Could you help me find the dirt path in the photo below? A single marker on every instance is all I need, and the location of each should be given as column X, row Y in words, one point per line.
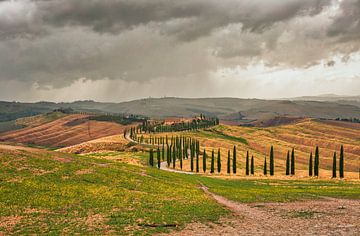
column 321, row 217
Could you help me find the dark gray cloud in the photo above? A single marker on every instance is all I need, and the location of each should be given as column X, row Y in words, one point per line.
column 52, row 43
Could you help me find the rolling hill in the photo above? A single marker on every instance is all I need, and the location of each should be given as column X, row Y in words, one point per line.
column 63, row 131
column 224, row 108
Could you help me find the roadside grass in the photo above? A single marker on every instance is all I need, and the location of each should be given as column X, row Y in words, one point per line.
column 281, row 190
column 48, row 192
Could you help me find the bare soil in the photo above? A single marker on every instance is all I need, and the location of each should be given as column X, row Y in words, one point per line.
column 321, row 217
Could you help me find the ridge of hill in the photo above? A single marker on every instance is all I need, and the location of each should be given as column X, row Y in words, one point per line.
column 224, row 108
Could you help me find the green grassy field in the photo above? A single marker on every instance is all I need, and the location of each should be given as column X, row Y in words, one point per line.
column 46, row 192
column 57, row 193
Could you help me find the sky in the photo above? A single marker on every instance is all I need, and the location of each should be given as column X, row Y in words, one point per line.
column 119, row 50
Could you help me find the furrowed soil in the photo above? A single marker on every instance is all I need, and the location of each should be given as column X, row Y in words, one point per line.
column 64, row 131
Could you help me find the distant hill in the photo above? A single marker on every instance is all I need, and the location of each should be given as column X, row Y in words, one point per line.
column 224, row 108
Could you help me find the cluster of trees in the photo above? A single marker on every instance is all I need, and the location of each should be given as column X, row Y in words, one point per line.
column 176, row 149
column 180, row 148
column 120, row 119
column 200, row 122
column 354, row 120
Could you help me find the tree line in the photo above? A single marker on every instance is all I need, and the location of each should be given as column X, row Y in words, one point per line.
column 149, row 126
column 181, row 148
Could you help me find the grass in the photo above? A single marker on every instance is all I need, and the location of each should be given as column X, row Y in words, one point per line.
column 281, row 190
column 46, row 192
column 214, row 133
column 55, row 193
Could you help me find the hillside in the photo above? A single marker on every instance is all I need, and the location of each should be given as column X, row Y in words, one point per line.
column 303, row 135
column 224, row 108
column 61, row 131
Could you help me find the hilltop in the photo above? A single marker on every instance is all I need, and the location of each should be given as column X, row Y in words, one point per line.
column 225, row 108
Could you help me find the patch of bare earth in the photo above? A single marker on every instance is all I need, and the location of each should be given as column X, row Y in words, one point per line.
column 320, row 217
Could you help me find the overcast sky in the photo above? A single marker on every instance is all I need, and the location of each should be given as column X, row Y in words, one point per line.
column 117, row 50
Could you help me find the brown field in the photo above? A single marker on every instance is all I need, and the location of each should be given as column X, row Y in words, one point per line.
column 303, row 136
column 65, row 131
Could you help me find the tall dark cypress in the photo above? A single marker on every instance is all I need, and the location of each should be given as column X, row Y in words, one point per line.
column 219, row 161
column 228, row 162
column 293, row 162
column 168, row 155
column 316, row 162
column 197, row 162
column 334, row 166
column 163, row 152
column 252, row 165
column 204, row 161
column 181, row 162
column 247, row 163
column 265, row 167
column 288, row 163
column 212, row 167
column 158, row 158
column 272, row 167
column 174, row 156
column 341, row 162
column 151, row 158
column 192, row 162
column 311, row 165
column 234, row 160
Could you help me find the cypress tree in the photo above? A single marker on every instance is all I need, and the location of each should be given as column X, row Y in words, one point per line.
column 181, row 163
column 288, row 163
column 316, row 162
column 252, row 165
column 334, row 166
column 174, row 156
column 151, row 158
column 158, row 158
column 204, row 161
column 247, row 163
column 163, row 152
column 197, row 162
column 271, row 161
column 293, row 162
column 310, row 165
column 228, row 162
column 341, row 162
column 219, row 161
column 234, row 160
column 168, row 154
column 212, row 168
column 265, row 167
column 192, row 163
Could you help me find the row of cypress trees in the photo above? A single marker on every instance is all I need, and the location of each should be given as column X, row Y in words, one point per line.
column 183, row 148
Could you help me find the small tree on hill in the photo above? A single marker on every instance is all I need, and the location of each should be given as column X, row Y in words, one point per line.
column 252, row 165
column 316, row 162
column 219, row 161
column 288, row 163
column 212, row 167
column 234, row 160
column 163, row 152
column 191, row 162
column 265, row 167
column 151, row 158
column 158, row 158
column 228, row 162
column 272, row 167
column 310, row 165
column 341, row 162
column 204, row 161
column 334, row 166
column 293, row 162
column 197, row 162
column 247, row 163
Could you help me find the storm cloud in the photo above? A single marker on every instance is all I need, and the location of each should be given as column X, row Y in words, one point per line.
column 52, row 45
